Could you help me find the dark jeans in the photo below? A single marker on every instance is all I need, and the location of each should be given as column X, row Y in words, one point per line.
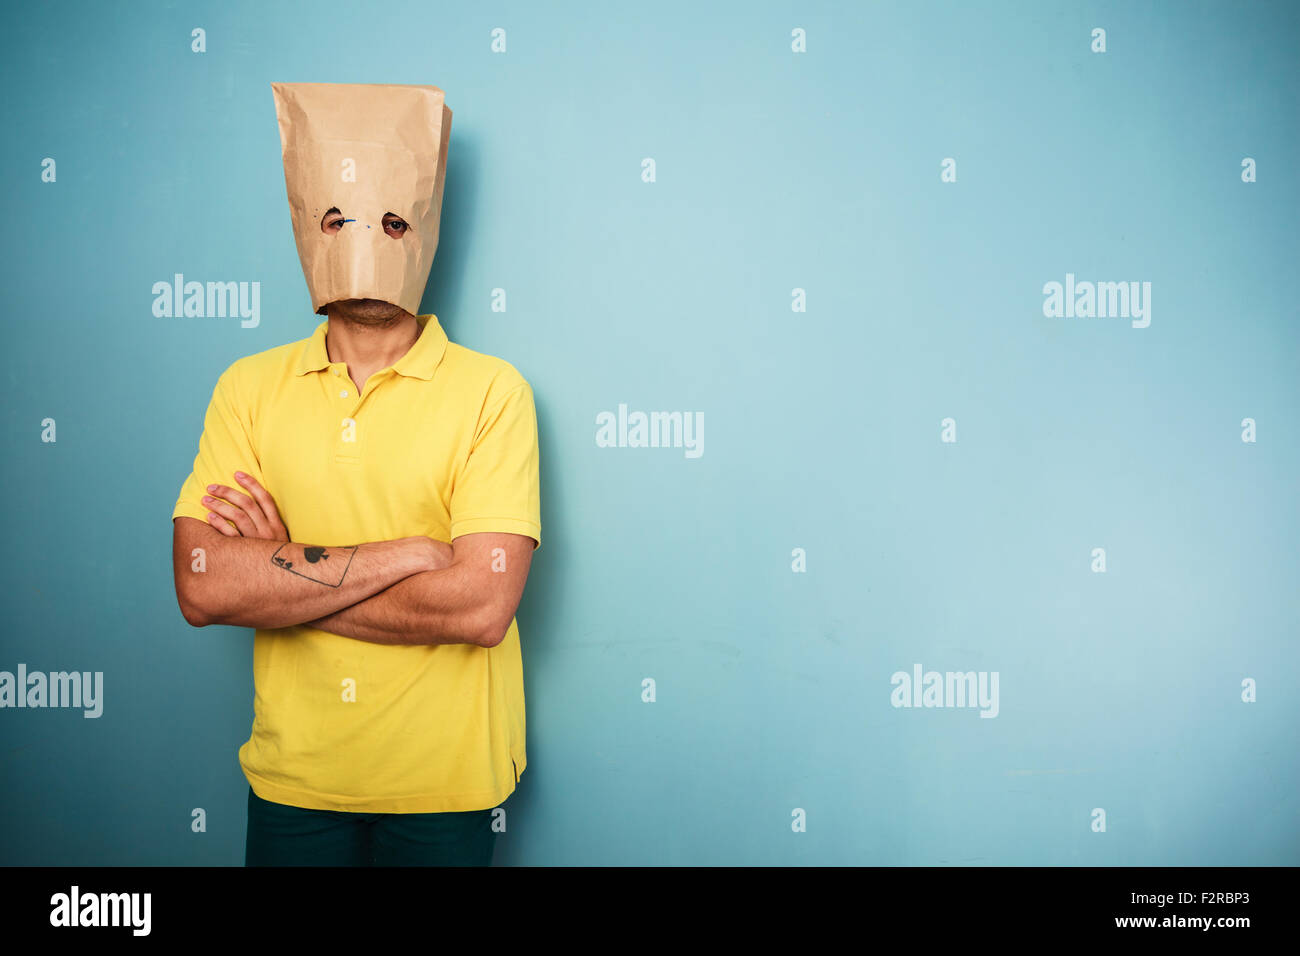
column 280, row 835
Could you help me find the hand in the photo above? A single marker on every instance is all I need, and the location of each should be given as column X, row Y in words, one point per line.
column 434, row 554
column 255, row 517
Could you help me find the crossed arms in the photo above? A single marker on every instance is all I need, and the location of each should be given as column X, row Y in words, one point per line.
column 414, row 590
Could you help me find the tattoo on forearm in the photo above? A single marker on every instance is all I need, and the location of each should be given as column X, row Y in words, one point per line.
column 328, row 566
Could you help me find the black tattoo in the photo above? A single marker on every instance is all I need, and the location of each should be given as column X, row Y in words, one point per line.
column 314, row 566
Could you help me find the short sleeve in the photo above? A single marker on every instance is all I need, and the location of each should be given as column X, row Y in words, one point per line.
column 224, row 448
column 497, row 487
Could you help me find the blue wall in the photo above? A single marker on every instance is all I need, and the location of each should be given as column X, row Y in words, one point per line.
column 1118, row 690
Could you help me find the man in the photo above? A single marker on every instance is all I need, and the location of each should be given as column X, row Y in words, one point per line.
column 367, row 499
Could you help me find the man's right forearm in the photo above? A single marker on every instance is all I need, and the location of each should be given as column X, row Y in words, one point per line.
column 259, row 583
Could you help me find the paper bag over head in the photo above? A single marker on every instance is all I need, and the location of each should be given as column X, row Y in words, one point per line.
column 376, row 153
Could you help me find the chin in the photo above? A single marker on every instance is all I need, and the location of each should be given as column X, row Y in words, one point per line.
column 376, row 309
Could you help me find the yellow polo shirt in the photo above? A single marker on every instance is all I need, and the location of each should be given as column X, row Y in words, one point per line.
column 442, row 443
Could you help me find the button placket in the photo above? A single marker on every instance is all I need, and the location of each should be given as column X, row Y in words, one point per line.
column 346, row 452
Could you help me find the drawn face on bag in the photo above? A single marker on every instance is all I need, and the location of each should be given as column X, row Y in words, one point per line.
column 363, row 169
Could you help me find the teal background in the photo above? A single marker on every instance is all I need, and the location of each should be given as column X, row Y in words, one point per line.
column 775, row 170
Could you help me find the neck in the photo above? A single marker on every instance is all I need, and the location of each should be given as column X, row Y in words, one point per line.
column 370, row 345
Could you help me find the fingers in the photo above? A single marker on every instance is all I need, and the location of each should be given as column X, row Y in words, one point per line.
column 221, row 524
column 255, row 517
column 236, row 498
column 265, row 502
column 242, row 519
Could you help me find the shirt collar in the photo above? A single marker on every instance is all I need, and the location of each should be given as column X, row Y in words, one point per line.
column 418, row 362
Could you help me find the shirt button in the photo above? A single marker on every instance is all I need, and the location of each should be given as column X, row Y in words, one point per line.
column 343, row 394
column 336, row 371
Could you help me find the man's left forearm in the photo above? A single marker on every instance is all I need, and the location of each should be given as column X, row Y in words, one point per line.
column 398, row 615
column 431, row 607
column 470, row 598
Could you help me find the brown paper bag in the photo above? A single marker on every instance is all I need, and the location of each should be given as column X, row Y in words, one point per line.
column 377, row 153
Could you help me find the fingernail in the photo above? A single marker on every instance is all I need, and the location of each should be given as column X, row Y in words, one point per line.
column 212, row 487
column 240, row 474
